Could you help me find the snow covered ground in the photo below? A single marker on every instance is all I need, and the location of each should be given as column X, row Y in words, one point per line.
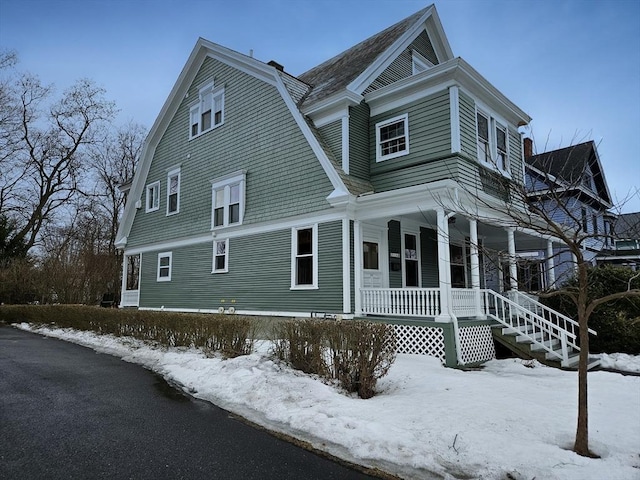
column 508, row 420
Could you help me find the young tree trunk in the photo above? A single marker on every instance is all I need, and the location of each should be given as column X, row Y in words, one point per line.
column 581, row 446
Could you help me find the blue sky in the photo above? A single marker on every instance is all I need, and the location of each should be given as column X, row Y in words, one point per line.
column 574, row 66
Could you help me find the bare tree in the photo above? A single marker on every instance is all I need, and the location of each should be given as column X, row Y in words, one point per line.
column 545, row 204
column 43, row 148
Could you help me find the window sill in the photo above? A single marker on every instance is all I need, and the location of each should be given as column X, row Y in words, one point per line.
column 392, row 155
column 163, row 279
column 214, row 272
column 152, row 210
column 191, row 137
column 169, row 214
column 304, row 287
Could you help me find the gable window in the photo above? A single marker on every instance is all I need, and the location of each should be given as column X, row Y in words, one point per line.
column 418, row 63
column 392, row 138
column 304, row 257
column 164, row 267
column 220, row 256
column 208, row 113
column 492, row 142
column 153, row 197
column 228, row 194
column 173, row 191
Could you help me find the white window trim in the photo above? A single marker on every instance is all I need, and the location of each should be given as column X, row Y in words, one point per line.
column 404, row 258
column 196, row 107
column 172, row 173
column 419, row 63
column 151, row 186
column 170, row 266
column 380, row 125
column 236, row 178
column 226, row 256
column 314, row 255
column 493, row 123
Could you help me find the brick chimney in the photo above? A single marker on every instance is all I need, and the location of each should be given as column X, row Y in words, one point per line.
column 528, row 147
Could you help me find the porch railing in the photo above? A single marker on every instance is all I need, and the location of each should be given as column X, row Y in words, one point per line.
column 463, row 302
column 130, row 298
column 403, row 302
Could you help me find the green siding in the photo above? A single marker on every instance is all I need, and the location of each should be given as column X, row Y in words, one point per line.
column 284, row 177
column 402, row 65
column 429, row 138
column 359, row 141
column 395, row 246
column 332, row 135
column 259, row 276
column 468, row 137
column 429, row 258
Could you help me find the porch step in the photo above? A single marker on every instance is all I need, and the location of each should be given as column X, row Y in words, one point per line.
column 523, row 347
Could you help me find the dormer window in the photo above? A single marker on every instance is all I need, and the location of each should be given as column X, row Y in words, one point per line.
column 208, row 113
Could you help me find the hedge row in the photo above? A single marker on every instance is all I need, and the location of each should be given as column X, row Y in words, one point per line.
column 231, row 336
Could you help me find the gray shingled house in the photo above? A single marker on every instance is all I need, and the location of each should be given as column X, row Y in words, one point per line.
column 338, row 193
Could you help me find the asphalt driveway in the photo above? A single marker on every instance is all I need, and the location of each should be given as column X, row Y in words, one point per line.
column 69, row 412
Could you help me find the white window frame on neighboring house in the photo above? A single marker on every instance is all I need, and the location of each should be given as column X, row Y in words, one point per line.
column 208, row 112
column 220, row 251
column 419, row 63
column 489, row 152
column 298, row 256
column 152, row 202
column 228, row 200
column 394, row 141
column 168, row 267
column 175, row 173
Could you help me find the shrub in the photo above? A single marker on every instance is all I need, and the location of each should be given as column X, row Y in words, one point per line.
column 229, row 335
column 617, row 322
column 355, row 353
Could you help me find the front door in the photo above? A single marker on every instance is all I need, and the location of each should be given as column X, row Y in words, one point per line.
column 373, row 257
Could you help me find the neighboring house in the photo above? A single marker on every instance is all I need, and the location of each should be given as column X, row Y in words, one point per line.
column 623, row 246
column 344, row 191
column 569, row 185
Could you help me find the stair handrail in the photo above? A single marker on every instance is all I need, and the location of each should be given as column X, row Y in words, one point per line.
column 544, row 325
column 538, row 304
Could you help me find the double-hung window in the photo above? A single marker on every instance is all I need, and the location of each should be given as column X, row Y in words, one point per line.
column 173, row 191
column 220, row 256
column 392, row 138
column 228, row 195
column 153, row 197
column 304, row 257
column 208, row 113
column 164, row 267
column 493, row 141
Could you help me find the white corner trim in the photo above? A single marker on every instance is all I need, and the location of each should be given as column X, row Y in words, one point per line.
column 346, row 266
column 345, row 144
column 454, row 106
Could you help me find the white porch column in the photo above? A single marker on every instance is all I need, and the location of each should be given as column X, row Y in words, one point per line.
column 444, row 267
column 357, row 266
column 123, row 286
column 513, row 268
column 346, row 266
column 551, row 268
column 475, row 265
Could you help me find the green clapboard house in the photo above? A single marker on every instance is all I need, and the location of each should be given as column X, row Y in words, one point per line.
column 340, row 192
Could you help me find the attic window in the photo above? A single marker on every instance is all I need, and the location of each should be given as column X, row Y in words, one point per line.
column 208, row 113
column 392, row 138
column 418, row 63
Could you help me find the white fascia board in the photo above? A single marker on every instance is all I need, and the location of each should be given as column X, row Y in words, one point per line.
column 337, row 183
column 201, row 50
column 385, row 59
column 608, row 200
column 241, row 231
column 332, row 108
column 442, row 76
column 439, row 39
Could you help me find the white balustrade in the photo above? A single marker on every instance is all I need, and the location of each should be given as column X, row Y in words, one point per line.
column 130, row 298
column 403, row 302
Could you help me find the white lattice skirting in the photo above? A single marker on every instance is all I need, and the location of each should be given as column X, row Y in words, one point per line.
column 476, row 344
column 420, row 340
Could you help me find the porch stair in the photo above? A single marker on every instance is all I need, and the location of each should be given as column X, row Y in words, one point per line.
column 524, row 348
column 532, row 330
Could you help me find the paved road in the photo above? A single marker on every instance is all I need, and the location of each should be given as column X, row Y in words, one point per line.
column 68, row 412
